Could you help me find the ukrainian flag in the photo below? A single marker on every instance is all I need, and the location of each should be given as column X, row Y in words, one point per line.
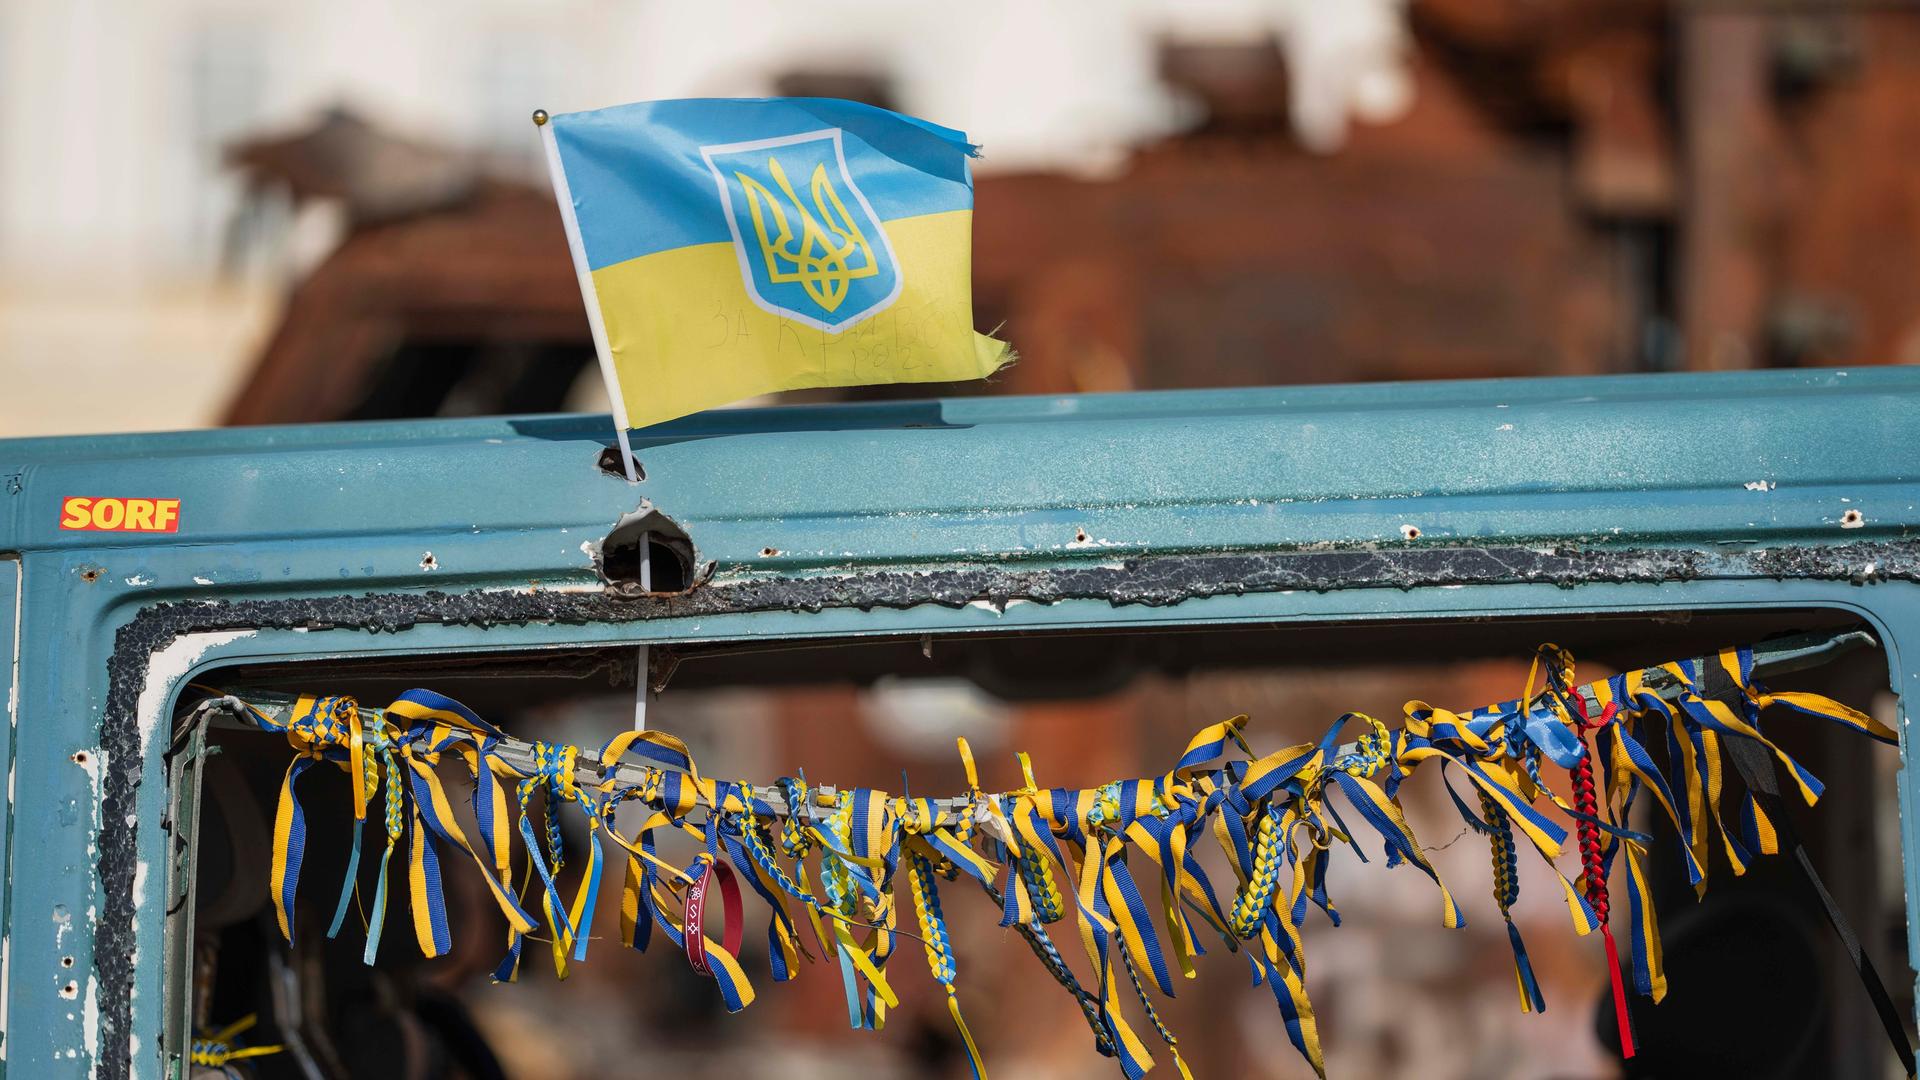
column 730, row 248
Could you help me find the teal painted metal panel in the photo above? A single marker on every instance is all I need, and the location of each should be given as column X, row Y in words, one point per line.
column 9, row 721
column 1763, row 456
column 1433, row 501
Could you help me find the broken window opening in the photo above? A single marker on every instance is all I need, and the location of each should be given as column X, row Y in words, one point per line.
column 1091, row 705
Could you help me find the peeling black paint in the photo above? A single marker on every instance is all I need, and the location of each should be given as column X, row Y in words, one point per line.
column 1153, row 581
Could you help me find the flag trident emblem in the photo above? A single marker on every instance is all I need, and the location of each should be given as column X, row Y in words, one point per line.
column 817, row 253
column 831, row 249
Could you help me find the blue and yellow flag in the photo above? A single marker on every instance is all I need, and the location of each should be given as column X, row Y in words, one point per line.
column 731, row 248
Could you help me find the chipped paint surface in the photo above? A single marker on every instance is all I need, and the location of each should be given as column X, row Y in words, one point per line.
column 13, row 664
column 13, row 724
column 90, row 1022
column 93, row 762
column 169, row 665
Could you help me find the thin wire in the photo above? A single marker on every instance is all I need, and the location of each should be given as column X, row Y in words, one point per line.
column 1464, row 830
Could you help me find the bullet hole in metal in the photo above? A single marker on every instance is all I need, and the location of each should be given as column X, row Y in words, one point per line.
column 609, row 462
column 670, row 555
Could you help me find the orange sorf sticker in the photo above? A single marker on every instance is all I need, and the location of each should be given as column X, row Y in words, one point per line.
column 121, row 515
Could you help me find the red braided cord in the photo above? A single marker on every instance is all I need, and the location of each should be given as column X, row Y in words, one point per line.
column 1587, row 801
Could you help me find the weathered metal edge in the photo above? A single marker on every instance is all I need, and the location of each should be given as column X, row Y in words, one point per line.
column 1153, row 580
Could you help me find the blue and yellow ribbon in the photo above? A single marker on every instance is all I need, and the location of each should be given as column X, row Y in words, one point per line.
column 841, row 858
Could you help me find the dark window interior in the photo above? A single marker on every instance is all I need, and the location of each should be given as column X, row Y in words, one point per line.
column 1754, row 956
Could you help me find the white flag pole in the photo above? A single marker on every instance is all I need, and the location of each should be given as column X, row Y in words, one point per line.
column 627, row 816
column 564, row 196
column 640, row 684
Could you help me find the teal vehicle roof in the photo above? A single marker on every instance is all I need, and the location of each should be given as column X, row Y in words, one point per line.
column 1778, row 493
column 1733, row 458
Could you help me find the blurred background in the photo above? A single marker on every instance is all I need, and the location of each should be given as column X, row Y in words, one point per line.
column 243, row 211
column 246, row 211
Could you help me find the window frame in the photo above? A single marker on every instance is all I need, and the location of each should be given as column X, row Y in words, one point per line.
column 1890, row 609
